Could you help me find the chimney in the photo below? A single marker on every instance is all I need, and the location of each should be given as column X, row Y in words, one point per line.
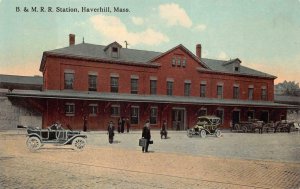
column 71, row 39
column 198, row 50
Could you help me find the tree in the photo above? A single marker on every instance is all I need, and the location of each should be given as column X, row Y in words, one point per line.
column 287, row 88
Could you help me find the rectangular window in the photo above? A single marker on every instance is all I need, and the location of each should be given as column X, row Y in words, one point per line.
column 184, row 62
column 173, row 61
column 114, row 84
column 220, row 114
column 93, row 109
column 153, row 86
column 69, row 80
column 134, row 117
column 178, row 62
column 219, row 91
column 250, row 93
column 202, row 90
column 115, row 110
column 114, row 52
column 134, row 86
column 70, row 109
column 153, row 115
column 236, row 92
column 170, row 88
column 187, row 89
column 92, row 82
column 264, row 94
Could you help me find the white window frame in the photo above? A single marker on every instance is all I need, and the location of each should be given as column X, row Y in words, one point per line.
column 153, row 107
column 137, row 115
column 67, row 110
column 93, row 113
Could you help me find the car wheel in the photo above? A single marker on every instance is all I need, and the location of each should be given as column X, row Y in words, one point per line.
column 244, row 129
column 203, row 133
column 78, row 143
column 33, row 143
column 218, row 133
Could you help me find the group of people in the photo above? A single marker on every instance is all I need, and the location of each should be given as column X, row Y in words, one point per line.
column 146, row 134
column 121, row 124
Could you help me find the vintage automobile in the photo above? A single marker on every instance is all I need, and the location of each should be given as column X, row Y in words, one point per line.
column 248, row 126
column 54, row 134
column 206, row 125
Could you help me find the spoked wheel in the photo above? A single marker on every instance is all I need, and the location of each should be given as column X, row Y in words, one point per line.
column 33, row 143
column 78, row 143
column 203, row 133
column 217, row 132
column 244, row 129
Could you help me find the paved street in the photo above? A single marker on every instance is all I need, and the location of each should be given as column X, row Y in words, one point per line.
column 267, row 146
column 235, row 160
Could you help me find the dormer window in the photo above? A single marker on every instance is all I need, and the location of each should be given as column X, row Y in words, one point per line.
column 115, row 52
column 236, row 68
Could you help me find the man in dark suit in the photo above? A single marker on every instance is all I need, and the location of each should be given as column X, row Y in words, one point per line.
column 146, row 135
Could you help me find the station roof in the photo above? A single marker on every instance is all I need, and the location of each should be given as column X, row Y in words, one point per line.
column 119, row 97
column 143, row 58
column 21, row 82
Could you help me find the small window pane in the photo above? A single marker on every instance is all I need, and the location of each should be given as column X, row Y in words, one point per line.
column 92, row 83
column 153, row 115
column 203, row 90
column 115, row 110
column 187, row 89
column 153, row 87
column 114, row 84
column 134, row 86
column 69, row 80
column 134, row 117
column 219, row 91
column 169, row 88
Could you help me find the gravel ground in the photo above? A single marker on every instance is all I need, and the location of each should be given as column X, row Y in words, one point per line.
column 178, row 162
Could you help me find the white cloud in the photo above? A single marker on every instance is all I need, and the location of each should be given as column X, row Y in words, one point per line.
column 137, row 20
column 200, row 27
column 174, row 15
column 113, row 29
column 223, row 56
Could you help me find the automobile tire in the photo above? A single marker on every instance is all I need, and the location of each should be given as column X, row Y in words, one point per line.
column 218, row 133
column 244, row 129
column 78, row 143
column 203, row 133
column 236, row 126
column 33, row 143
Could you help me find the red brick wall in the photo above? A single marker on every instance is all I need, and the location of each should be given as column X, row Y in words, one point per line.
column 54, row 80
column 55, row 67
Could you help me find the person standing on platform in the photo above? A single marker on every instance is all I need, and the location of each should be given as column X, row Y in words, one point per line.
column 146, row 135
column 119, row 124
column 111, row 132
column 85, row 122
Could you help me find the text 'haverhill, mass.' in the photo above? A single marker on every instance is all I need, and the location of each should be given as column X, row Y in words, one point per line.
column 71, row 9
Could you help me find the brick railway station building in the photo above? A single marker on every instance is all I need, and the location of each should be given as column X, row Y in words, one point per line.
column 105, row 83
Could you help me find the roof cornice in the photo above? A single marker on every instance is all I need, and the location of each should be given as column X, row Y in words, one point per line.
column 51, row 54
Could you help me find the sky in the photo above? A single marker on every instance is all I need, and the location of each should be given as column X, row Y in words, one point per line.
column 264, row 35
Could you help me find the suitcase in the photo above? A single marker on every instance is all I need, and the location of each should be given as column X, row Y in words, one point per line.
column 142, row 142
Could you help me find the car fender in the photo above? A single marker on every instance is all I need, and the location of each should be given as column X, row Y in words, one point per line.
column 72, row 138
column 34, row 134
